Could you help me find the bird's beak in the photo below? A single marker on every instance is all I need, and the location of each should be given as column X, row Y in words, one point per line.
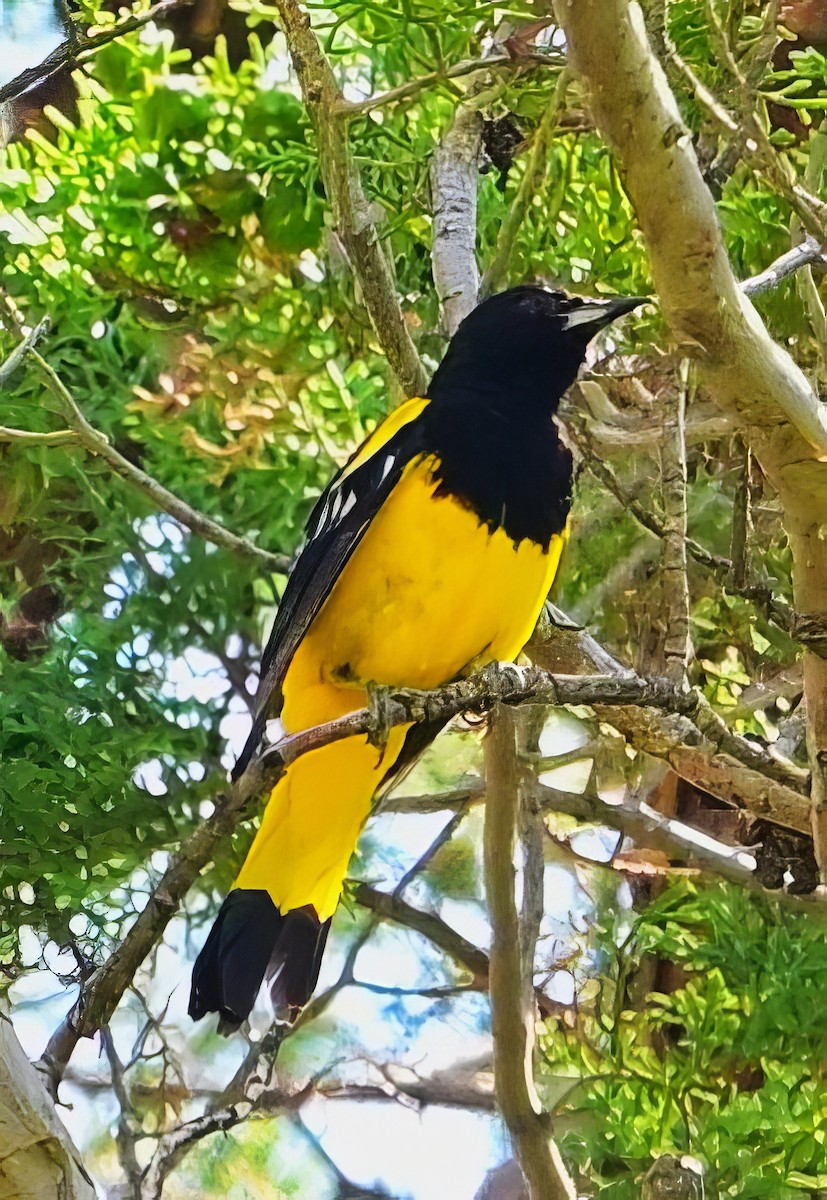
column 618, row 306
column 595, row 314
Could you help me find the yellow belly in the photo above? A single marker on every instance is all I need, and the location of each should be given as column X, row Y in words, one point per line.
column 429, row 594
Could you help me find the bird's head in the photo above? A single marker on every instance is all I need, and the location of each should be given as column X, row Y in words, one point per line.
column 527, row 343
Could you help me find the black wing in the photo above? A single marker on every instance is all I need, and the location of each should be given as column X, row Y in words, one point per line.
column 334, row 530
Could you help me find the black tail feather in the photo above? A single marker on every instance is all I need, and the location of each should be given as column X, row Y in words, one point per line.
column 228, row 972
column 294, row 967
column 250, row 938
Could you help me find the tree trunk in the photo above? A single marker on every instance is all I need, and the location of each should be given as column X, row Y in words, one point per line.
column 37, row 1158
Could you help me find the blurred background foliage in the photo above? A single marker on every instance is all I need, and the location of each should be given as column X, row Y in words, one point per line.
column 170, row 220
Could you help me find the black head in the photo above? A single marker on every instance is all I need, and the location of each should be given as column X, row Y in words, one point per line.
column 526, row 344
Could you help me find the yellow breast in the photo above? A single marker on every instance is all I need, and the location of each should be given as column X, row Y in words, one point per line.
column 428, row 594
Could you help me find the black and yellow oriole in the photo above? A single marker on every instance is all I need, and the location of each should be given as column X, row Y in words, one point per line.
column 430, row 554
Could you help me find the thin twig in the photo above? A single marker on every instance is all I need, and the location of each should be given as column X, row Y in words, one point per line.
column 25, row 437
column 393, row 908
column 126, row 1136
column 677, row 641
column 353, row 1191
column 741, row 519
column 674, row 739
column 442, row 838
column 752, row 137
column 18, row 354
column 96, row 443
column 603, row 471
column 413, row 87
column 809, row 629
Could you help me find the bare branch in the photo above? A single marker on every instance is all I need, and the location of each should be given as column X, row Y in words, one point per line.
column 752, row 141
column 177, row 1143
column 347, row 1187
column 101, row 993
column 264, row 1097
column 448, row 1089
column 742, row 518
column 126, row 1136
column 532, row 907
column 509, row 684
column 456, row 800
column 640, row 821
column 674, row 739
column 808, row 628
column 639, row 117
column 512, row 1010
column 677, row 642
column 807, row 253
column 513, row 685
column 18, row 354
column 25, row 437
column 392, row 908
column 603, row 470
column 442, row 838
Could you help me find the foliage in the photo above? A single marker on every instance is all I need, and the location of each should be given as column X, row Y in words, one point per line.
column 727, row 1067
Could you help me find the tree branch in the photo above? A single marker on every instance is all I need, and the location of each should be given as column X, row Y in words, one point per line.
column 393, row 908
column 807, row 628
column 83, row 47
column 509, row 684
column 126, row 1136
column 352, row 217
column 750, row 376
column 807, row 253
column 603, row 470
column 676, row 647
column 639, row 118
column 639, row 821
column 102, row 992
column 347, row 1187
column 674, row 739
column 18, row 354
column 751, row 137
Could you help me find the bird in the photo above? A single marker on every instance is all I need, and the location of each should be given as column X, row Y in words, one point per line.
column 429, row 555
